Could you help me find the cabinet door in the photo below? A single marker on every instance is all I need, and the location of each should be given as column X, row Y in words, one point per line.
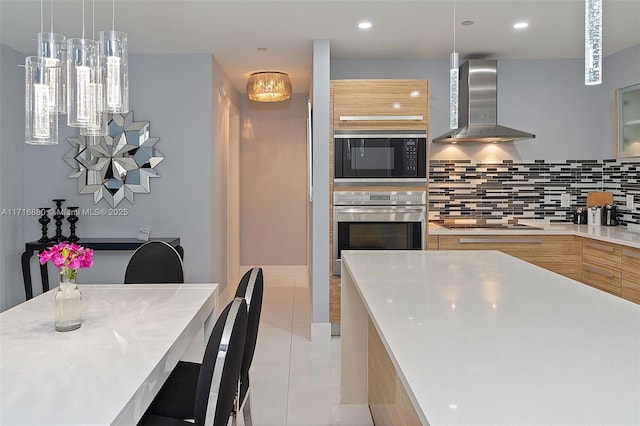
column 631, row 274
column 557, row 253
column 334, row 299
column 380, row 104
column 601, row 265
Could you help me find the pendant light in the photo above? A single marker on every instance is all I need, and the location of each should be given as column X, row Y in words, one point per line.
column 269, row 86
column 41, row 125
column 41, row 79
column 97, row 122
column 115, row 67
column 454, row 64
column 592, row 42
column 82, row 71
column 53, row 47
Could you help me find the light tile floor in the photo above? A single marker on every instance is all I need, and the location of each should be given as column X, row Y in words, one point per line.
column 295, row 381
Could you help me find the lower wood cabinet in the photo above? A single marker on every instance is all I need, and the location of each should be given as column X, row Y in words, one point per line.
column 557, row 253
column 334, row 300
column 388, row 400
column 630, row 260
column 601, row 263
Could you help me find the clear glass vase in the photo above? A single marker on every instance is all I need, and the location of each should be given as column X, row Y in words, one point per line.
column 68, row 302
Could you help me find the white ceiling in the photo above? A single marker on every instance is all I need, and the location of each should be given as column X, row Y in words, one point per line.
column 420, row 29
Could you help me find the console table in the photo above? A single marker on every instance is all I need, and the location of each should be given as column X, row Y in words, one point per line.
column 98, row 244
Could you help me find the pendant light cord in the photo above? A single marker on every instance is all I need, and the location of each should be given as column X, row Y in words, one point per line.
column 51, row 15
column 113, row 15
column 93, row 19
column 41, row 19
column 82, row 18
column 454, row 26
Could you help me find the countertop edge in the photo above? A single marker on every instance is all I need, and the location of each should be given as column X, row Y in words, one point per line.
column 610, row 234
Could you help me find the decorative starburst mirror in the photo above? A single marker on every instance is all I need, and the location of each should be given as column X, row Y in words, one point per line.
column 116, row 166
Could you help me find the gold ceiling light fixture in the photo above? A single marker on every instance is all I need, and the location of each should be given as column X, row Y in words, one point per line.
column 269, row 86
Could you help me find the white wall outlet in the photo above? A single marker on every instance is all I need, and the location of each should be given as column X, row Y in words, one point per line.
column 630, row 201
column 565, row 200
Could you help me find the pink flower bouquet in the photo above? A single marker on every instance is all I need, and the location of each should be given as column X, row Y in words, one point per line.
column 68, row 257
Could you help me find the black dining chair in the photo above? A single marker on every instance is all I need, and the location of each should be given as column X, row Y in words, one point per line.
column 251, row 288
column 208, row 397
column 154, row 262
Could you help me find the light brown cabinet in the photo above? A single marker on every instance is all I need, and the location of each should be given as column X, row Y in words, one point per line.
column 334, row 299
column 380, row 104
column 630, row 259
column 601, row 265
column 372, row 105
column 557, row 253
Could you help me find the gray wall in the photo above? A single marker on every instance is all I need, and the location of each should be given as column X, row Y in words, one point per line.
column 11, row 166
column 273, row 182
column 546, row 97
column 174, row 93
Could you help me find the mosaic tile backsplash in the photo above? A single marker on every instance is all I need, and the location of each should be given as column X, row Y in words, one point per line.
column 529, row 189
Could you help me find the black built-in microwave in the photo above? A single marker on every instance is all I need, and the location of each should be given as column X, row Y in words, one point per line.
column 380, row 155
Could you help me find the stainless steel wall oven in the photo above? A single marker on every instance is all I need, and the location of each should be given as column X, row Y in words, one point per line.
column 377, row 220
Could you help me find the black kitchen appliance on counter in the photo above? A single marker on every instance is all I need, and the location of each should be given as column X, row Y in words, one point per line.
column 609, row 215
column 580, row 216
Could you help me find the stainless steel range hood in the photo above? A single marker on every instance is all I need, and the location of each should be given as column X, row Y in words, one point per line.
column 478, row 107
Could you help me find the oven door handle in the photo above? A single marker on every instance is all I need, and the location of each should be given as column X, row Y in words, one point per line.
column 399, row 209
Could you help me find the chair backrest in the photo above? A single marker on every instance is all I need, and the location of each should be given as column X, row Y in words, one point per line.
column 251, row 288
column 220, row 370
column 154, row 262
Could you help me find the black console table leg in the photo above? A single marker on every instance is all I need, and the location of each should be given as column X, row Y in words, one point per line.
column 44, row 274
column 26, row 274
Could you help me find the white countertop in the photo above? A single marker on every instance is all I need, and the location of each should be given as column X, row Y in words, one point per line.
column 484, row 338
column 108, row 371
column 613, row 234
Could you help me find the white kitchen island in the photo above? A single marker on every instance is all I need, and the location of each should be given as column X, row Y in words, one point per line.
column 484, row 338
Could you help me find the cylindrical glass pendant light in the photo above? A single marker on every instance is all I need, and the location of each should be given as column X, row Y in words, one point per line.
column 592, row 42
column 53, row 48
column 82, row 71
column 453, row 89
column 115, row 70
column 41, row 124
column 454, row 64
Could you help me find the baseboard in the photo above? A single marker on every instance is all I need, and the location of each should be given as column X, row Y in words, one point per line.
column 320, row 331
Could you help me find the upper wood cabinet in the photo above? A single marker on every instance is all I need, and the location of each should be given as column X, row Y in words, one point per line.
column 380, row 104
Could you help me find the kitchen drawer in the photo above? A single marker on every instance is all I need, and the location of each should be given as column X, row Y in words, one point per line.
column 601, row 253
column 631, row 274
column 602, row 277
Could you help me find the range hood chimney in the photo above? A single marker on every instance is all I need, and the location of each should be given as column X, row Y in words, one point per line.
column 478, row 107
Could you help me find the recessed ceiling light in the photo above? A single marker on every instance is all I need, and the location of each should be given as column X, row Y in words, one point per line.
column 364, row 25
column 520, row 25
column 466, row 23
column 262, row 49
